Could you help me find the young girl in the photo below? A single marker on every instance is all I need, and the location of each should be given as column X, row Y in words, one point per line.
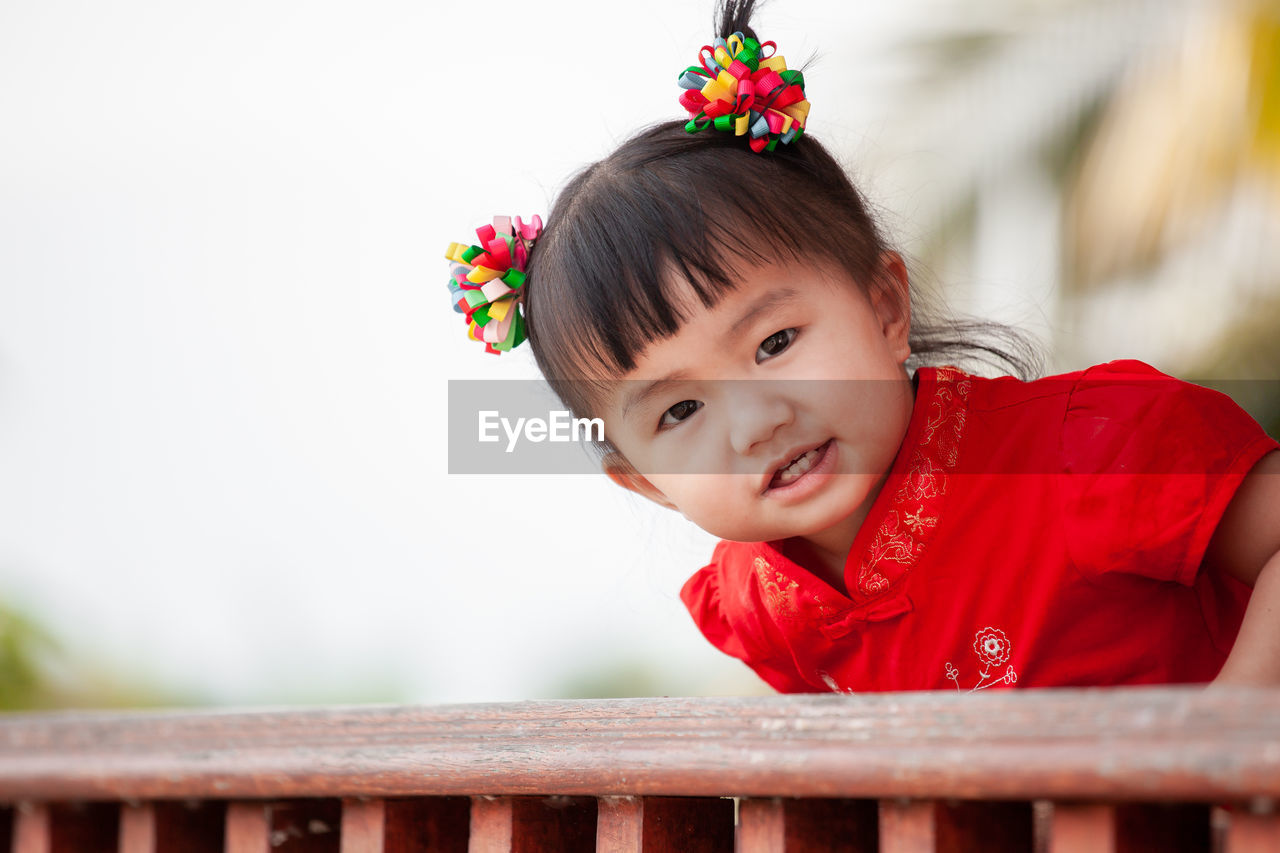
column 717, row 292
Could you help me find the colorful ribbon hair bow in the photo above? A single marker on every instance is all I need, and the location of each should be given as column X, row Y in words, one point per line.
column 487, row 281
column 740, row 90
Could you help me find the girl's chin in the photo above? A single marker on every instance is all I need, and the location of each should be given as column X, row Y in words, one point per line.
column 825, row 528
column 834, row 521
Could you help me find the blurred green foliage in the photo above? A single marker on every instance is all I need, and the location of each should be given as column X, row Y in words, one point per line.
column 23, row 647
column 38, row 673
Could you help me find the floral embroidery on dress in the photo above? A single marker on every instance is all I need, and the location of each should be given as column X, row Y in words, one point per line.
column 903, row 533
column 890, row 543
column 777, row 587
column 925, row 481
column 919, row 522
column 992, row 648
column 946, row 418
column 783, row 596
column 872, row 582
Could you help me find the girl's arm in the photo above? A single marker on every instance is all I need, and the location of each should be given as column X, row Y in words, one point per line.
column 1246, row 545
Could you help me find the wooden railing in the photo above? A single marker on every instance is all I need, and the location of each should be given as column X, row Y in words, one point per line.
column 1097, row 770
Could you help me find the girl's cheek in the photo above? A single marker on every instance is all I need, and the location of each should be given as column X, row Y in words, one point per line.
column 672, row 458
column 679, row 454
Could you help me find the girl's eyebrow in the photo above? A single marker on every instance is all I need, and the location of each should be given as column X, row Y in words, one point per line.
column 760, row 305
column 764, row 303
column 645, row 390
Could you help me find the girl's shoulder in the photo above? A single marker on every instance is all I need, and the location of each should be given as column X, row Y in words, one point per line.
column 1153, row 462
column 1126, row 416
column 1121, row 377
column 1119, row 401
column 1120, row 418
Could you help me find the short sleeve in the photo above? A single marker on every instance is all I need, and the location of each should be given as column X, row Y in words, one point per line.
column 701, row 594
column 1150, row 464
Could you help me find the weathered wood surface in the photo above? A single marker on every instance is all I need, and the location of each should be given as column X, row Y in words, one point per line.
column 1137, row 744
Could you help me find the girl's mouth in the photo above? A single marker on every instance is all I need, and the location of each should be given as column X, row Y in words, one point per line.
column 799, row 466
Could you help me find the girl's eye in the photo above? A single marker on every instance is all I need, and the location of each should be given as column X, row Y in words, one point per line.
column 774, row 344
column 679, row 412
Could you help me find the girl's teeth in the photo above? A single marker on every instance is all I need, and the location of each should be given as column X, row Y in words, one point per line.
column 797, row 468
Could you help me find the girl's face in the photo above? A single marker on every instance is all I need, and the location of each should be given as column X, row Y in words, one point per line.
column 778, row 412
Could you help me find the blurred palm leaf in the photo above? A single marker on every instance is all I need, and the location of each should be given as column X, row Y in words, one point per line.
column 1117, row 160
column 1175, row 140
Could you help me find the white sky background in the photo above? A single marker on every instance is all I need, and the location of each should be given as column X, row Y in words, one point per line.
column 225, row 334
column 225, row 338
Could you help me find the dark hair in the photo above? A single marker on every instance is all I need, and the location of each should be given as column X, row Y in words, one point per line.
column 602, row 280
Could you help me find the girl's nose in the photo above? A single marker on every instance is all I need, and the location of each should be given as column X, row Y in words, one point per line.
column 757, row 410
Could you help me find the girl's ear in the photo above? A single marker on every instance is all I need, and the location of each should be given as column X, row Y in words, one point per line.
column 892, row 303
column 622, row 472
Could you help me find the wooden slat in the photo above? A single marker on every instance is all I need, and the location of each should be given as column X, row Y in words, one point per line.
column 1041, row 825
column 955, row 826
column 31, row 829
column 363, row 825
column 1083, row 828
column 1092, row 745
column 533, row 825
column 1253, row 833
column 491, row 819
column 907, row 826
column 248, row 828
column 1130, row 828
column 83, row 828
column 137, row 828
column 620, row 825
column 659, row 824
column 762, row 826
column 437, row 824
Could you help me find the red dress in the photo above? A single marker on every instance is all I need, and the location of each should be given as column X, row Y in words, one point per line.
column 1043, row 534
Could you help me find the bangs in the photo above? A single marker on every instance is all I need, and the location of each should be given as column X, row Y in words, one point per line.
column 666, row 216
